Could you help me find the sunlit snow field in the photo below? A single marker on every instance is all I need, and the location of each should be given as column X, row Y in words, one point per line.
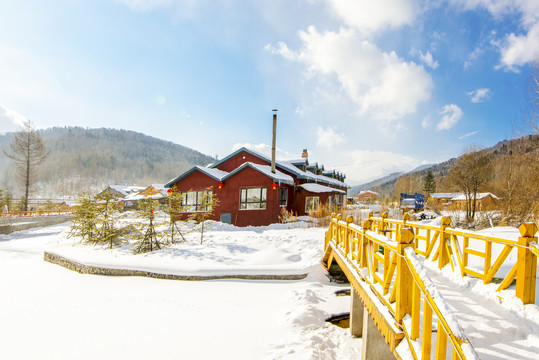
column 48, row 312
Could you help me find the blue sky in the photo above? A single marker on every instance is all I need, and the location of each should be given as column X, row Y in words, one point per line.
column 367, row 87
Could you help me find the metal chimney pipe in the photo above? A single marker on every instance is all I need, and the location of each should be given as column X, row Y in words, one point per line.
column 273, row 141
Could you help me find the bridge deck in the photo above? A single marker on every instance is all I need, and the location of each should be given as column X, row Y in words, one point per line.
column 496, row 331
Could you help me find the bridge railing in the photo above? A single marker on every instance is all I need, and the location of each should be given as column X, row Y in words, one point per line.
column 455, row 247
column 396, row 276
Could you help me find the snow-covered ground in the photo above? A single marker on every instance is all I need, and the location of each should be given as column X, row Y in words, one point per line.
column 48, row 312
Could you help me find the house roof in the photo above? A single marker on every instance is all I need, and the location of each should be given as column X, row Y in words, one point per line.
column 213, row 173
column 479, row 196
column 317, row 188
column 266, row 170
column 287, row 166
column 443, row 195
column 368, row 192
column 127, row 190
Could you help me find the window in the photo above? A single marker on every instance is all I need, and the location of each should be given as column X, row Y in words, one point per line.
column 197, row 201
column 283, row 196
column 311, row 203
column 251, row 199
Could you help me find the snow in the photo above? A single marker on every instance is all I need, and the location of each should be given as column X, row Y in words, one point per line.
column 266, row 170
column 49, row 312
column 317, row 188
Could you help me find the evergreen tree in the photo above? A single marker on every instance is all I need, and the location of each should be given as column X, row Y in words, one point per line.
column 208, row 204
column 174, row 209
column 148, row 237
column 84, row 223
column 5, row 201
column 108, row 231
column 430, row 184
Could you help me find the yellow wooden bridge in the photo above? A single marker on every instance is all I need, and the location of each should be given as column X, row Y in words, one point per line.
column 396, row 308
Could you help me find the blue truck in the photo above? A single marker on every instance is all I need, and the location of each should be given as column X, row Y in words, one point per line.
column 412, row 201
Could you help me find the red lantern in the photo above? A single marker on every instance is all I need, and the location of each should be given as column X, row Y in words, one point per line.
column 274, row 186
column 220, row 184
column 169, row 191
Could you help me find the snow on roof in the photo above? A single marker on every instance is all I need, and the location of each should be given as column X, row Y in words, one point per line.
column 479, row 196
column 214, row 173
column 266, row 170
column 317, row 188
column 443, row 195
column 369, row 192
column 288, row 166
column 126, row 190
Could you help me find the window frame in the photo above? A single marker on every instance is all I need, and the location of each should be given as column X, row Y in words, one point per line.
column 263, row 196
column 197, row 206
column 307, row 210
column 281, row 197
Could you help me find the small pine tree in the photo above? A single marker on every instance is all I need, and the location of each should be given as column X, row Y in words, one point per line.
column 5, row 200
column 108, row 231
column 173, row 209
column 84, row 224
column 148, row 238
column 207, row 206
column 430, row 184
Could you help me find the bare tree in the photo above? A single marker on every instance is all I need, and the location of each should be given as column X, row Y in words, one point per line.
column 469, row 173
column 28, row 151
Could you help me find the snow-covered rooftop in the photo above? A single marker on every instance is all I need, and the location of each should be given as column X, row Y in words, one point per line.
column 126, row 190
column 266, row 170
column 479, row 196
column 368, row 192
column 443, row 195
column 317, row 188
column 289, row 166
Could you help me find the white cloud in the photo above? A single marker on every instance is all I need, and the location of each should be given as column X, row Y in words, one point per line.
column 381, row 84
column 451, row 114
column 265, row 149
column 468, row 135
column 479, row 95
column 369, row 16
column 365, row 165
column 428, row 60
column 11, row 120
column 327, row 137
column 515, row 49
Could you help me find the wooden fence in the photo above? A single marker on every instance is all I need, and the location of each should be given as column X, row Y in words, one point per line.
column 385, row 253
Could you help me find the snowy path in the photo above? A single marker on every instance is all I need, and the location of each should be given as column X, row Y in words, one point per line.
column 495, row 331
column 48, row 312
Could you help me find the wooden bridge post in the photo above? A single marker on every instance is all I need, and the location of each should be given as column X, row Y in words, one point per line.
column 443, row 255
column 329, row 233
column 383, row 225
column 363, row 257
column 404, row 280
column 527, row 264
column 349, row 219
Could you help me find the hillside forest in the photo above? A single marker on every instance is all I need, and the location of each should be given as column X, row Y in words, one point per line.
column 87, row 160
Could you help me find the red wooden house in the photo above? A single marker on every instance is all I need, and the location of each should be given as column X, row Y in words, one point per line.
column 249, row 193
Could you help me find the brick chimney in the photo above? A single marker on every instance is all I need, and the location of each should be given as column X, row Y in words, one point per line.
column 305, row 154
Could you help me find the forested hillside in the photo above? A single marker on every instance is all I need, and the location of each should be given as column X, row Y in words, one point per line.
column 89, row 159
column 513, row 163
